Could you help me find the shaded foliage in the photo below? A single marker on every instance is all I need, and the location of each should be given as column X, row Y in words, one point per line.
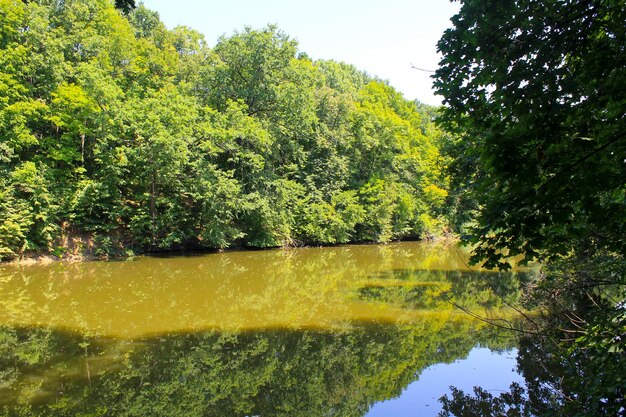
column 575, row 366
column 535, row 93
column 536, row 101
column 125, row 5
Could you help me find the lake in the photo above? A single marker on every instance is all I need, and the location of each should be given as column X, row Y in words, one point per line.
column 361, row 330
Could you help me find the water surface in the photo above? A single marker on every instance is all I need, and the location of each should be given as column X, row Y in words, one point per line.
column 301, row 332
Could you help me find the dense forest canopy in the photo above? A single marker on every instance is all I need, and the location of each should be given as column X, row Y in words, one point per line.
column 131, row 136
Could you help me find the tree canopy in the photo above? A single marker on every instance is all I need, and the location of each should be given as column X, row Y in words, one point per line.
column 536, row 92
column 119, row 134
column 125, row 5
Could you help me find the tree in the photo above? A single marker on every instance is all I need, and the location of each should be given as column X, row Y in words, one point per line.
column 125, row 5
column 139, row 138
column 536, row 92
column 535, row 95
column 253, row 63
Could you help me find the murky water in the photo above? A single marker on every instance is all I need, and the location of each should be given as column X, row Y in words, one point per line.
column 302, row 332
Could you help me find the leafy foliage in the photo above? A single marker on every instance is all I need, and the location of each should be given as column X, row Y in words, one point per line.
column 535, row 90
column 484, row 404
column 125, row 5
column 121, row 131
column 535, row 95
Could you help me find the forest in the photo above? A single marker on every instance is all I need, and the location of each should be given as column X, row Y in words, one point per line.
column 120, row 136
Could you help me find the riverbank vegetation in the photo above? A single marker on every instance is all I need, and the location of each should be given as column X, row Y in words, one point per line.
column 120, row 135
column 535, row 93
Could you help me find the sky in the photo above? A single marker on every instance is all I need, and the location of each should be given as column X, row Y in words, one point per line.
column 384, row 38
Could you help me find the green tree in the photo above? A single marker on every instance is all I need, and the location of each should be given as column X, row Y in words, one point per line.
column 252, row 64
column 536, row 91
column 535, row 96
column 144, row 138
column 125, row 5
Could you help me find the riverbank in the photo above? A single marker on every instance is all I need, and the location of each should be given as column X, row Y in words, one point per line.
column 73, row 254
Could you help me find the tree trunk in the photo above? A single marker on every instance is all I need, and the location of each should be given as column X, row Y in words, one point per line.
column 82, row 149
column 153, row 207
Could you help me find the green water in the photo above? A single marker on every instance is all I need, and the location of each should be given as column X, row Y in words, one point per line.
column 302, row 332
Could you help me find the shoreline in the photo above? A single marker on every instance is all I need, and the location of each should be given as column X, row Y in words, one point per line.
column 47, row 258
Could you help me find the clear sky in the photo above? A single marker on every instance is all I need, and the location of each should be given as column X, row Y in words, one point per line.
column 383, row 38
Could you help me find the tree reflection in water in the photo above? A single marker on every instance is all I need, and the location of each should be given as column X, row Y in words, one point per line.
column 273, row 333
